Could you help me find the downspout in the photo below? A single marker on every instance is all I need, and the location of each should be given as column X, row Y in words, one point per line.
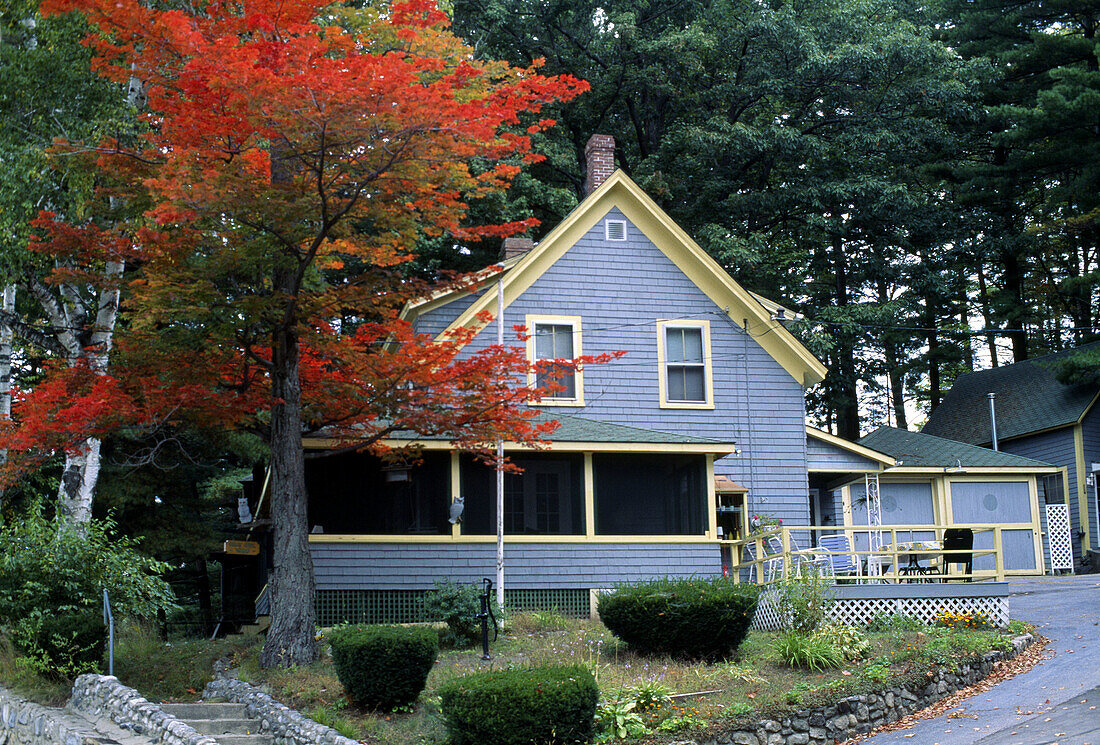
column 993, row 419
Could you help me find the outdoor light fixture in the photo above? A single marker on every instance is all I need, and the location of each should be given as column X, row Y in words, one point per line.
column 396, row 473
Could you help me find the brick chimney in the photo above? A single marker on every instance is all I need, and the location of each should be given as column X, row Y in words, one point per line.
column 515, row 246
column 599, row 157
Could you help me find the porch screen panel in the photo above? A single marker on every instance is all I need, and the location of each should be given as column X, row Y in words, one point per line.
column 546, row 499
column 1018, row 547
column 351, row 494
column 650, row 494
column 994, row 502
column 902, row 504
column 990, row 502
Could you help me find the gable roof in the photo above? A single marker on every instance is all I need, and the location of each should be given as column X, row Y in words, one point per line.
column 916, row 449
column 1029, row 399
column 848, row 446
column 619, row 191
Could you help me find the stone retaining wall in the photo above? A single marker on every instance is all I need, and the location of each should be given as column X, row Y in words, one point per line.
column 103, row 696
column 858, row 715
column 287, row 726
column 26, row 723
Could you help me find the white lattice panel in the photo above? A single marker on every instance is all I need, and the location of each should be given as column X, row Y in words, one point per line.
column 1059, row 537
column 859, row 612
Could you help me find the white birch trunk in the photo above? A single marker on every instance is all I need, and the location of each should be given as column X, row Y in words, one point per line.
column 5, row 362
column 78, row 482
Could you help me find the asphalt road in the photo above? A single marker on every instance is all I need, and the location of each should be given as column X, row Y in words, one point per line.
column 1057, row 702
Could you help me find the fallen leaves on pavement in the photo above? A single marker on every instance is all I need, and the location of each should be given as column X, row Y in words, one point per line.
column 1002, row 671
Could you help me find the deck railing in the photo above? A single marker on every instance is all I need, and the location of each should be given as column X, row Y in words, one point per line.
column 758, row 558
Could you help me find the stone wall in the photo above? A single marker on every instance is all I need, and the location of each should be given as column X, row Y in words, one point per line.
column 103, row 696
column 858, row 715
column 26, row 723
column 287, row 726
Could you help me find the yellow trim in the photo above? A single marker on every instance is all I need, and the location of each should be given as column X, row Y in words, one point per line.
column 1082, row 487
column 589, row 497
column 712, row 500
column 329, row 443
column 852, row 447
column 662, row 373
column 509, row 538
column 477, row 282
column 622, row 193
column 456, row 489
column 530, row 320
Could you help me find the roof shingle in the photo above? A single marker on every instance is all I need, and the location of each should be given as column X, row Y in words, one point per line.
column 1029, row 399
column 919, row 449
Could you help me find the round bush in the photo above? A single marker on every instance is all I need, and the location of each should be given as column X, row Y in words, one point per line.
column 693, row 618
column 383, row 667
column 528, row 706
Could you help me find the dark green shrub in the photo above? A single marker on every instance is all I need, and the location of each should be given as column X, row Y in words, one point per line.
column 530, row 706
column 459, row 605
column 383, row 667
column 63, row 645
column 694, row 618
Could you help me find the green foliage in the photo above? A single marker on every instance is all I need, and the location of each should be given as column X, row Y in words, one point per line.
column 896, row 622
column 877, row 672
column 458, row 605
column 1018, row 627
column 618, row 719
column 850, row 641
column 808, row 651
column 803, row 601
column 695, row 618
column 62, row 645
column 651, row 694
column 529, row 706
column 383, row 667
column 47, row 567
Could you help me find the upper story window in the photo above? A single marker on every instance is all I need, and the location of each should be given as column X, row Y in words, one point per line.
column 555, row 338
column 684, row 356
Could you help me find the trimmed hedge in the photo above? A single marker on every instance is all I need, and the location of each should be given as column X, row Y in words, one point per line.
column 690, row 618
column 529, row 706
column 383, row 667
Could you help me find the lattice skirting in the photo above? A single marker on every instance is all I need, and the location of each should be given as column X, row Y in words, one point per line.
column 404, row 606
column 859, row 611
column 1059, row 537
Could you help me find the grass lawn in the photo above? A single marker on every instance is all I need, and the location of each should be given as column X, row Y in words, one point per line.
column 754, row 683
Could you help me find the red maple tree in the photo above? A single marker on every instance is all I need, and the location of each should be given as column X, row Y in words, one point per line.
column 295, row 152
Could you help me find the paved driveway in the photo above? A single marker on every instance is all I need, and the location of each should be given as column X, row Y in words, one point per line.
column 1056, row 702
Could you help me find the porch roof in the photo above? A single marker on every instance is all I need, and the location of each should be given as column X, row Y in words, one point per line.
column 916, row 449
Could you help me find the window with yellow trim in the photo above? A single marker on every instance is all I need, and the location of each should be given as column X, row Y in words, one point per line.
column 553, row 343
column 685, row 364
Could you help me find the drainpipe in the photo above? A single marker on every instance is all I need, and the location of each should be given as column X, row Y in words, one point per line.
column 993, row 419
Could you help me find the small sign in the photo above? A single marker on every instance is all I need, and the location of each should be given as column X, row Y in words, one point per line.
column 242, row 548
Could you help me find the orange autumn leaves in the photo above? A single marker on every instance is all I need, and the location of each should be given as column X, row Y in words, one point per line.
column 291, row 157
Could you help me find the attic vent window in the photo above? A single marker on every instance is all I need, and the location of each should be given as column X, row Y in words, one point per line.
column 616, row 230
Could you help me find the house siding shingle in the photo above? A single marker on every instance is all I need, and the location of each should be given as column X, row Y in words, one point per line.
column 416, row 566
column 824, row 456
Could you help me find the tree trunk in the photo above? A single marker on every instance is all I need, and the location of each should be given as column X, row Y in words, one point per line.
column 6, row 337
column 78, row 482
column 291, row 640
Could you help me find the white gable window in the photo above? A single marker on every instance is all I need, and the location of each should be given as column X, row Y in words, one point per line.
column 555, row 338
column 615, row 230
column 683, row 349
